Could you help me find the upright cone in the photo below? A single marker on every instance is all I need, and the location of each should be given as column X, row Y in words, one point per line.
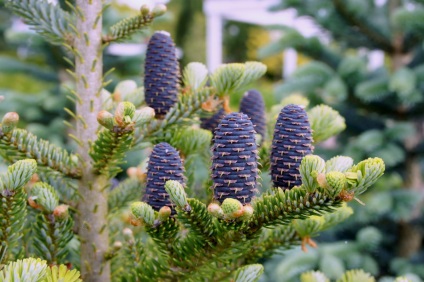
column 252, row 104
column 234, row 160
column 292, row 141
column 161, row 73
column 164, row 164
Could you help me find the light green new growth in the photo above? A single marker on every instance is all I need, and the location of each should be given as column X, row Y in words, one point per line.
column 176, row 193
column 313, row 276
column 143, row 212
column 249, row 273
column 37, row 270
column 325, row 122
column 230, row 78
column 339, row 163
column 28, row 270
column 195, row 76
column 45, row 196
column 310, row 167
column 364, row 174
column 356, row 275
column 62, row 274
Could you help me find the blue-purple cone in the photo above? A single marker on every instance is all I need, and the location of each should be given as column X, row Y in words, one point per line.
column 252, row 104
column 213, row 122
column 164, row 164
column 292, row 141
column 234, row 160
column 161, row 70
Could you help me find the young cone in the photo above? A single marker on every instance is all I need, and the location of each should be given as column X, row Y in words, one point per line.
column 292, row 141
column 164, row 164
column 234, row 160
column 252, row 104
column 161, row 73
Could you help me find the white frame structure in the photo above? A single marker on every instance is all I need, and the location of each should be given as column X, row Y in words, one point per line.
column 255, row 12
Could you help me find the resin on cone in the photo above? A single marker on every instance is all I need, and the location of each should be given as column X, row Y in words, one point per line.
column 161, row 73
column 252, row 104
column 164, row 164
column 292, row 141
column 234, row 160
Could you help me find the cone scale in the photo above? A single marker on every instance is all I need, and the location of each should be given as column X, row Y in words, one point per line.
column 234, row 160
column 252, row 104
column 161, row 73
column 292, row 141
column 164, row 164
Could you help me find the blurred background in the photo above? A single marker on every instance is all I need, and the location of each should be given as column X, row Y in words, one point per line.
column 364, row 58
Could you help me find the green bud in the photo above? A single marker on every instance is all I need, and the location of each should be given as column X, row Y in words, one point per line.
column 336, row 181
column 143, row 116
column 105, row 119
column 117, row 245
column 128, row 234
column 176, row 193
column 215, row 210
column 124, row 111
column 9, row 122
column 144, row 10
column 159, row 10
column 232, row 209
column 143, row 212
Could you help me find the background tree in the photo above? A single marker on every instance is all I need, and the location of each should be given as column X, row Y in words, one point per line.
column 68, row 213
column 382, row 107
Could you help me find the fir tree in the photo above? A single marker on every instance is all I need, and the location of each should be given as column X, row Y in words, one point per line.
column 382, row 106
column 188, row 240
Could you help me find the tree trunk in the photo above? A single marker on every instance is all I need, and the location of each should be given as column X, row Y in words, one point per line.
column 410, row 237
column 92, row 207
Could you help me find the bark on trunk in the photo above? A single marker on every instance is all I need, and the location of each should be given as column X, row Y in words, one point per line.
column 92, row 208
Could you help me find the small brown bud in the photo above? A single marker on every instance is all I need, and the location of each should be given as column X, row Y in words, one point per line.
column 322, row 181
column 164, row 213
column 9, row 122
column 33, row 204
column 247, row 212
column 346, row 196
column 117, row 245
column 61, row 211
column 215, row 210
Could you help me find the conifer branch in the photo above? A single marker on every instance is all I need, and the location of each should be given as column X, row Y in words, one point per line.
column 282, row 207
column 13, row 203
column 187, row 106
column 116, row 138
column 364, row 26
column 47, row 19
column 19, row 144
column 127, row 27
column 53, row 227
column 126, row 192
